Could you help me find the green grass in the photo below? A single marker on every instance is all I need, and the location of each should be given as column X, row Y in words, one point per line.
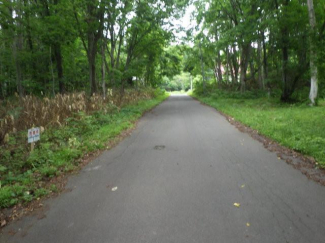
column 297, row 126
column 25, row 175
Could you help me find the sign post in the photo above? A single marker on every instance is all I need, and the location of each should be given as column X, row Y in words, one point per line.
column 34, row 135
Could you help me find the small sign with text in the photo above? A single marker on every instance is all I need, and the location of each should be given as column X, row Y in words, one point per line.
column 34, row 135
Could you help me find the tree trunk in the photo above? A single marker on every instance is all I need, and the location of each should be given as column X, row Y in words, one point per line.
column 230, row 66
column 92, row 44
column 112, row 52
column 218, row 63
column 2, row 84
column 216, row 74
column 95, row 27
column 313, row 54
column 259, row 64
column 52, row 73
column 29, row 39
column 18, row 46
column 58, row 57
column 285, row 58
column 265, row 68
column 227, row 67
column 59, row 68
column 235, row 64
column 202, row 68
column 243, row 65
column 92, row 76
column 127, row 63
column 286, row 93
column 252, row 70
column 103, row 72
column 219, row 70
column 287, row 90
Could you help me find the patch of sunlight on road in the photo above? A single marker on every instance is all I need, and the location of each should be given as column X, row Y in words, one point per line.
column 178, row 93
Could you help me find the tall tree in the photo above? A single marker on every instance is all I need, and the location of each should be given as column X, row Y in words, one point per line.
column 91, row 31
column 313, row 53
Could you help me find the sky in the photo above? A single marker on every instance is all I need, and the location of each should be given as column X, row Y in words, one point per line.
column 184, row 22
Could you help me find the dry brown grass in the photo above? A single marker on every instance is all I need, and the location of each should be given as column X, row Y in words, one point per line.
column 30, row 111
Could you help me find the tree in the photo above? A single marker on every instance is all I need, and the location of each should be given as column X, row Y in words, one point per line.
column 313, row 53
column 91, row 31
column 170, row 61
column 253, row 44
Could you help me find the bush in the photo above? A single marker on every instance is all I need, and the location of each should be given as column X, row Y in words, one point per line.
column 6, row 199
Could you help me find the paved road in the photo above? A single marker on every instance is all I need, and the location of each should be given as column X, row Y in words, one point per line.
column 178, row 176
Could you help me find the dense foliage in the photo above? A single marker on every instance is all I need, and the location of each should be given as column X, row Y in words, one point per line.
column 52, row 46
column 250, row 45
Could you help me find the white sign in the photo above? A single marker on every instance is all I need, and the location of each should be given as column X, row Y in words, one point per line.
column 34, row 135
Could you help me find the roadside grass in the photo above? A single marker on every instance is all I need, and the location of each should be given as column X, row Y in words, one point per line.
column 25, row 175
column 297, row 126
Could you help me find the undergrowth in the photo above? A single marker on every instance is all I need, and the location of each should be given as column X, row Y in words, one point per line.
column 25, row 174
column 21, row 113
column 297, row 125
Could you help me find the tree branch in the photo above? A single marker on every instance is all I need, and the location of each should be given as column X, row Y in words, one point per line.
column 79, row 29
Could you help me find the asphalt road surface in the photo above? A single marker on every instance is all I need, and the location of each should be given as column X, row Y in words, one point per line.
column 178, row 176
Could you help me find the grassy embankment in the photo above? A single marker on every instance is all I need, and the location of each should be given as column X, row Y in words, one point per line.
column 25, row 175
column 297, row 126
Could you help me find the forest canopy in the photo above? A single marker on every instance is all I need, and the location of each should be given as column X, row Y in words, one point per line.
column 62, row 46
column 58, row 46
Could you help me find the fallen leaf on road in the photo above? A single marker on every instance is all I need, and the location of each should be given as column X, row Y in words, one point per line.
column 248, row 224
column 237, row 205
column 114, row 189
column 279, row 158
column 12, row 232
column 242, row 186
column 3, row 223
